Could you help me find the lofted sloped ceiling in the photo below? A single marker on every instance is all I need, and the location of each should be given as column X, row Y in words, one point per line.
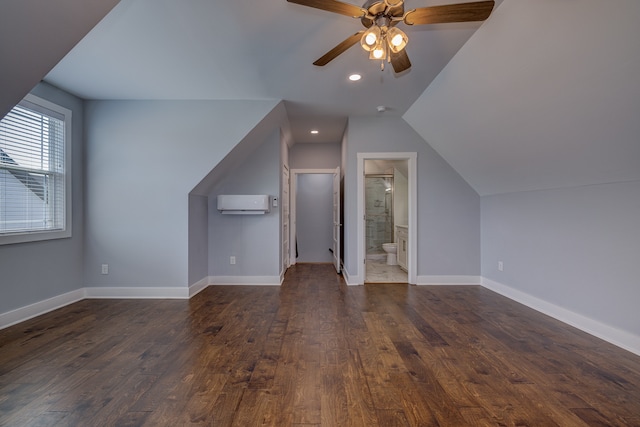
column 545, row 95
column 252, row 49
column 35, row 35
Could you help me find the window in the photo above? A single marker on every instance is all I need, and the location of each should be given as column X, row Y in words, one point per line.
column 35, row 179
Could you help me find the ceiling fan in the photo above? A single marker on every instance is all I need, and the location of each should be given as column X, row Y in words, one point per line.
column 381, row 38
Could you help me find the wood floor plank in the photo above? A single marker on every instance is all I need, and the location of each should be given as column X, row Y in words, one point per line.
column 333, row 398
column 359, row 401
column 313, row 352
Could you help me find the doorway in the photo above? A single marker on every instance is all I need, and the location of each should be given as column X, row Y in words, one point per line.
column 315, row 216
column 386, row 214
column 374, row 224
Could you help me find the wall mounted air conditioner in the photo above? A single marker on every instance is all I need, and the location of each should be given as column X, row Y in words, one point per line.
column 241, row 204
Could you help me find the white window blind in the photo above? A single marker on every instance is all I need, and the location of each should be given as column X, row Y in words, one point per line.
column 32, row 170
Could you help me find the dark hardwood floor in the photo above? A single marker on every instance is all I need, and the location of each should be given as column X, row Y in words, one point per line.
column 313, row 352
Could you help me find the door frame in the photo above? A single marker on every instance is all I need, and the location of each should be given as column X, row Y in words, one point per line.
column 412, row 179
column 293, row 177
column 285, row 202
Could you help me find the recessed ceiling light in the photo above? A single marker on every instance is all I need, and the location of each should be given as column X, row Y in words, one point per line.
column 355, row 77
column 314, row 131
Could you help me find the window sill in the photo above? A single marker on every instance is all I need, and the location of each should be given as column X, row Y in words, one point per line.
column 35, row 236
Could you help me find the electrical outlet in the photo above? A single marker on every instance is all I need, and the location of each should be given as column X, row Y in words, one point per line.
column 500, row 266
column 232, row 260
column 105, row 268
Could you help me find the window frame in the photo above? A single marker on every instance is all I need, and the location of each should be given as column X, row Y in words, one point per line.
column 46, row 107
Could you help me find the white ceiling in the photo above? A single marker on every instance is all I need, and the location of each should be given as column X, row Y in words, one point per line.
column 251, row 49
column 545, row 94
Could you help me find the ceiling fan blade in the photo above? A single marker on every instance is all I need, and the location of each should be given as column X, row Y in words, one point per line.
column 341, row 47
column 460, row 12
column 333, row 6
column 400, row 61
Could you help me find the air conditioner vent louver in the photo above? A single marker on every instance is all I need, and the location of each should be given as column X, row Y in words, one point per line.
column 241, row 204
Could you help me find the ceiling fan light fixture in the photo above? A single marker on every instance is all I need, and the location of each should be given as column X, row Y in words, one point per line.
column 397, row 39
column 371, row 38
column 381, row 38
column 379, row 52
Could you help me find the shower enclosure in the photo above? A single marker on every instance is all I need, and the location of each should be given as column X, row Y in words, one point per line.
column 378, row 212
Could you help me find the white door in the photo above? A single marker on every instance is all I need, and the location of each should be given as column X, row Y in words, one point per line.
column 285, row 217
column 336, row 219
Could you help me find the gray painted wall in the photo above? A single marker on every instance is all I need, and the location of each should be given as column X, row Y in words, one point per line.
column 315, row 156
column 577, row 248
column 198, row 238
column 314, row 217
column 35, row 271
column 448, row 208
column 253, row 239
column 143, row 158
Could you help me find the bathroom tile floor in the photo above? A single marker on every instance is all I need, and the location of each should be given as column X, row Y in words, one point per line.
column 379, row 272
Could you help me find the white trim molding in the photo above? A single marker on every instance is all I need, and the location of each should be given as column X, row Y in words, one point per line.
column 448, row 280
column 41, row 307
column 351, row 280
column 618, row 337
column 615, row 336
column 412, row 253
column 199, row 286
column 139, row 292
column 30, row 311
column 245, row 280
column 282, row 273
column 293, row 200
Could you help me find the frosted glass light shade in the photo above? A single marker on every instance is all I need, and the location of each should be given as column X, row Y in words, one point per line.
column 397, row 39
column 371, row 38
column 379, row 52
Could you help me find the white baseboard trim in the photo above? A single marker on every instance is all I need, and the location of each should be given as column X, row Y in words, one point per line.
column 21, row 314
column 351, row 280
column 245, row 280
column 448, row 280
column 41, row 307
column 620, row 338
column 199, row 286
column 140, row 292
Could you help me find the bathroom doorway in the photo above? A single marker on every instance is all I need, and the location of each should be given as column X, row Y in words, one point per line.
column 385, row 210
column 378, row 200
column 387, row 217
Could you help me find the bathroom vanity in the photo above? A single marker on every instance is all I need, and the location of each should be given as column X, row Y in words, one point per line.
column 402, row 238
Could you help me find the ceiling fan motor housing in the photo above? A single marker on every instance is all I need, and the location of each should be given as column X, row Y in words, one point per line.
column 376, row 9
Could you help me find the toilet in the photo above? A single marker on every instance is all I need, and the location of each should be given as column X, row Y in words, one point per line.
column 391, row 249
